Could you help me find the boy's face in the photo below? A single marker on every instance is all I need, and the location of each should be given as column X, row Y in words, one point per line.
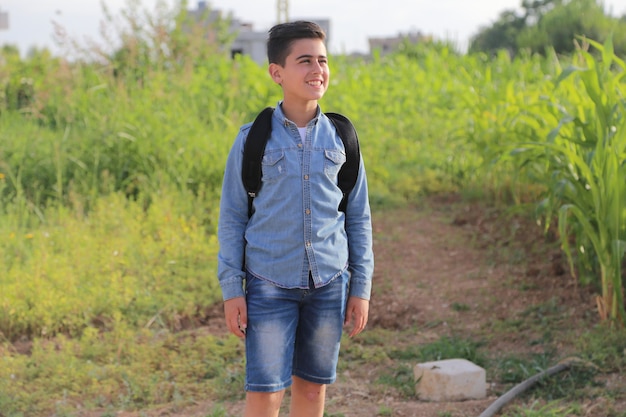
column 305, row 75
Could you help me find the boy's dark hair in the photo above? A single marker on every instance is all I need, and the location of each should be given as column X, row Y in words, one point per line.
column 283, row 35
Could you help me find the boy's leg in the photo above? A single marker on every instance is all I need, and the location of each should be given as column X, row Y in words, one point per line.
column 307, row 398
column 263, row 404
column 318, row 337
column 270, row 336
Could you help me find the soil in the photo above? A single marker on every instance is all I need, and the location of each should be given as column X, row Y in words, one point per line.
column 453, row 268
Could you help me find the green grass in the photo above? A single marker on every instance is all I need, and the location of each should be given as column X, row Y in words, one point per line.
column 121, row 370
column 515, row 369
column 401, row 379
column 551, row 409
column 444, row 348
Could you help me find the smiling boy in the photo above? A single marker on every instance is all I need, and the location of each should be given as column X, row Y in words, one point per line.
column 298, row 269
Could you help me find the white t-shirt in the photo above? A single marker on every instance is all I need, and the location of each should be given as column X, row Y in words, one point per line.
column 302, row 131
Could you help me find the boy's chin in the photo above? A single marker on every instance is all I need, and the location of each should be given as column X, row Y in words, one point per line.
column 318, row 96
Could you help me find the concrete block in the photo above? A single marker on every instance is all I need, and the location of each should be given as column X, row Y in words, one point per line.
column 450, row 380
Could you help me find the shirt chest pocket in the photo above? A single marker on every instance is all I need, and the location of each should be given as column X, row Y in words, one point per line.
column 273, row 165
column 333, row 160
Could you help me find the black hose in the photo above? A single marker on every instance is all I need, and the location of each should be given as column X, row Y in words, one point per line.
column 523, row 386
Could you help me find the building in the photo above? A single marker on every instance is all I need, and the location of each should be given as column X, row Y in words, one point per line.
column 390, row 44
column 247, row 41
column 4, row 20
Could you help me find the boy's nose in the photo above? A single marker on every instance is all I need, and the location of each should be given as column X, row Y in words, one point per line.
column 317, row 68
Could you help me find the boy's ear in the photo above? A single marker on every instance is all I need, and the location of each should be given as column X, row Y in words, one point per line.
column 275, row 72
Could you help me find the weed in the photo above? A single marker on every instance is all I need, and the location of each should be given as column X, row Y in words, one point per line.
column 551, row 409
column 604, row 347
column 401, row 378
column 444, row 348
column 514, row 370
column 377, row 336
column 218, row 411
column 384, row 411
column 362, row 351
column 460, row 307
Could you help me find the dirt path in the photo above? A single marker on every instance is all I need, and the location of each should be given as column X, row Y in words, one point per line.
column 447, row 268
column 440, row 271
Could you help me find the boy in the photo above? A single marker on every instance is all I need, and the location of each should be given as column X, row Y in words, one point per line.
column 307, row 267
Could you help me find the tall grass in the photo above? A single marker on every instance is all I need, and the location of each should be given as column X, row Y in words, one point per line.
column 430, row 120
column 79, row 271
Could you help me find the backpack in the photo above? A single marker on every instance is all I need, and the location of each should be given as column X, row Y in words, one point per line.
column 258, row 135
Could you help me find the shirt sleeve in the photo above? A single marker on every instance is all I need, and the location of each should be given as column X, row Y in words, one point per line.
column 359, row 231
column 233, row 220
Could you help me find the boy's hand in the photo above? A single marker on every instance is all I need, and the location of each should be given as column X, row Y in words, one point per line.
column 357, row 311
column 236, row 313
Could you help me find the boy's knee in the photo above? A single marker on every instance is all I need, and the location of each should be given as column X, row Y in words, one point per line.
column 314, row 395
column 311, row 391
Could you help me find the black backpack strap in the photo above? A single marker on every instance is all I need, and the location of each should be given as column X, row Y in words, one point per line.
column 350, row 169
column 251, row 171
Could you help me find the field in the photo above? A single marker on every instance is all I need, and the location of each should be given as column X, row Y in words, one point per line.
column 460, row 279
column 497, row 185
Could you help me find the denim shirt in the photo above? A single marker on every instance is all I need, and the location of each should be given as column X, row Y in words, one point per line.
column 296, row 227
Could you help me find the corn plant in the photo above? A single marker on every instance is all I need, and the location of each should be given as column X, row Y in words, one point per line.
column 586, row 171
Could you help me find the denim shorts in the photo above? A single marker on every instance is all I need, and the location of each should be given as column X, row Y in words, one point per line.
column 293, row 332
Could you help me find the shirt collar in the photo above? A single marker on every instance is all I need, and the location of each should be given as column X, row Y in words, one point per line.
column 278, row 112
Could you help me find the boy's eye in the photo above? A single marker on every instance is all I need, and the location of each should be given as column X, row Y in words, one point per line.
column 309, row 60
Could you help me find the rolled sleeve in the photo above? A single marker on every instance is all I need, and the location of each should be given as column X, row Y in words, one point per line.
column 360, row 287
column 232, row 288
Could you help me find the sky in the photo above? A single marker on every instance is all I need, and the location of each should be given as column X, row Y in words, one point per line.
column 352, row 21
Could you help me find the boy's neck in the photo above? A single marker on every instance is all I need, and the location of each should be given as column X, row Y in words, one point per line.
column 300, row 113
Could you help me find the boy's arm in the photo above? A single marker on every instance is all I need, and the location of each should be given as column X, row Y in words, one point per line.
column 233, row 219
column 359, row 231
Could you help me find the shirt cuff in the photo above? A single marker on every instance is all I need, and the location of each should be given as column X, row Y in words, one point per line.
column 232, row 288
column 361, row 288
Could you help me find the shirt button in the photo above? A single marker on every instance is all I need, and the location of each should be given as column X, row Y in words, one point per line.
column 307, row 211
column 299, row 145
column 306, row 177
column 308, row 243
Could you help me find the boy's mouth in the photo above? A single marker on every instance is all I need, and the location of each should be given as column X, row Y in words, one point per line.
column 316, row 83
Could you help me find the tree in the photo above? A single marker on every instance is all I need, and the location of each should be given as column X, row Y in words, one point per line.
column 550, row 24
column 502, row 35
column 533, row 10
column 558, row 28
